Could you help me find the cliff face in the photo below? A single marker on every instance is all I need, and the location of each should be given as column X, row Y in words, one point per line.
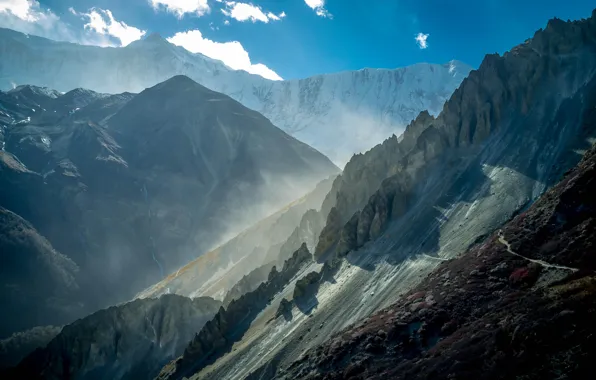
column 229, row 325
column 248, row 283
column 525, row 95
column 130, row 341
column 517, row 305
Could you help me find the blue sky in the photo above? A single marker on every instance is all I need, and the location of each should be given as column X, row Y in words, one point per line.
column 300, row 38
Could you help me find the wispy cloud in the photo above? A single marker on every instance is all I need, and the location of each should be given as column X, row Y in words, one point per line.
column 422, row 40
column 102, row 21
column 182, row 7
column 25, row 10
column 230, row 53
column 249, row 12
column 319, row 7
column 101, row 27
column 27, row 16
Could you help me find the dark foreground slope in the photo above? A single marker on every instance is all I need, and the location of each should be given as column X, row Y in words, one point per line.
column 130, row 341
column 131, row 187
column 519, row 305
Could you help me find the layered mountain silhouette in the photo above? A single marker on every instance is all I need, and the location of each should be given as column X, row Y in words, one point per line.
column 366, row 105
column 113, row 192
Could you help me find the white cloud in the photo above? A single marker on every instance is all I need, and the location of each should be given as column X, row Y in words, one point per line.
column 249, row 12
column 421, row 40
column 28, row 17
column 25, row 10
column 319, row 7
column 102, row 22
column 276, row 17
column 181, row 7
column 230, row 53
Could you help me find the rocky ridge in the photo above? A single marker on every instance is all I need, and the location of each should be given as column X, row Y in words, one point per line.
column 129, row 341
column 230, row 323
column 486, row 102
column 518, row 304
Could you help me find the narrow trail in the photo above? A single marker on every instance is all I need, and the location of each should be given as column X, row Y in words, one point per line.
column 435, row 257
column 539, row 262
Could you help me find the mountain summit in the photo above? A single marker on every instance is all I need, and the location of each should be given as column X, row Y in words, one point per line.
column 338, row 114
column 128, row 188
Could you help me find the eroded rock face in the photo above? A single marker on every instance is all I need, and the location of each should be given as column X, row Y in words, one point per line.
column 493, row 98
column 390, row 201
column 130, row 341
column 307, row 232
column 304, row 283
column 248, row 283
column 229, row 324
column 519, row 304
column 329, row 234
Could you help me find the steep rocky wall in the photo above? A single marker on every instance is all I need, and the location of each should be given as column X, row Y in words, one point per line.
column 248, row 283
column 518, row 305
column 230, row 323
column 379, row 185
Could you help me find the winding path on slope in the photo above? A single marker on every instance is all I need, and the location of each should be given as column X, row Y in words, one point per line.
column 539, row 262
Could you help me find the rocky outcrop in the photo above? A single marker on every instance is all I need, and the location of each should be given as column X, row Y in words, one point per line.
column 329, row 234
column 230, row 323
column 303, row 284
column 306, row 232
column 130, row 341
column 248, row 283
column 284, row 309
column 390, row 201
column 518, row 305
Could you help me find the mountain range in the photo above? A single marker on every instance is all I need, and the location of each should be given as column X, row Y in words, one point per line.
column 399, row 211
column 367, row 105
column 102, row 195
column 461, row 249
